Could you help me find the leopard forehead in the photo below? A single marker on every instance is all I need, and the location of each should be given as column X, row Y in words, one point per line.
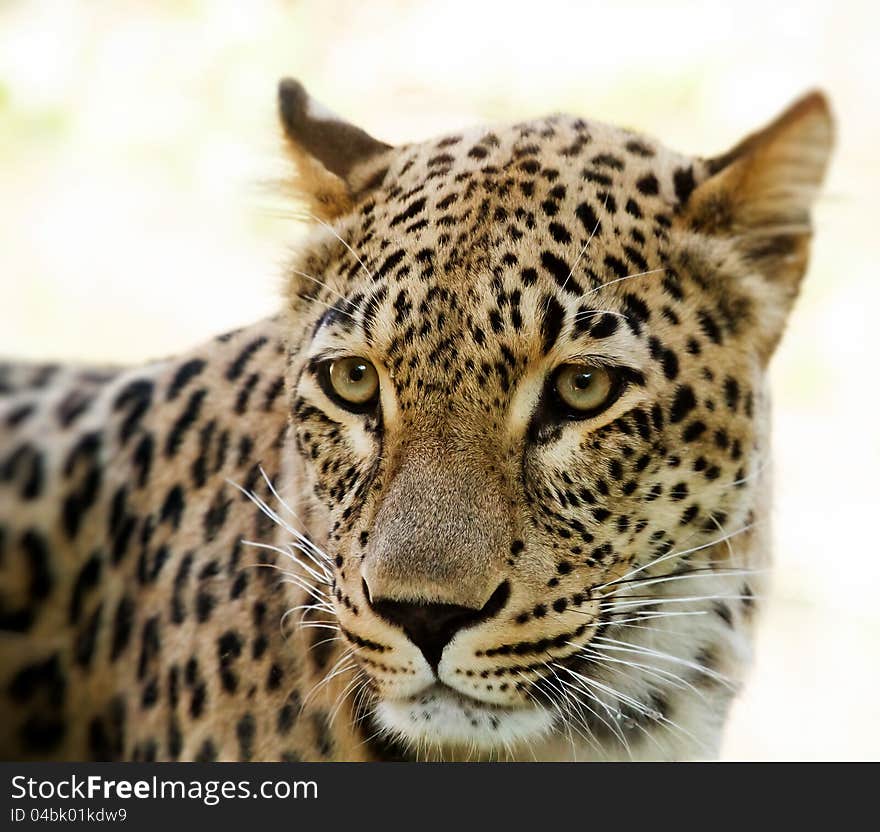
column 492, row 247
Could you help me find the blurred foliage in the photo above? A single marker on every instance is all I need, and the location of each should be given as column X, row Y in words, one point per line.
column 134, row 137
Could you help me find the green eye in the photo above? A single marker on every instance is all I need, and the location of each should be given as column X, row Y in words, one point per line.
column 584, row 388
column 354, row 380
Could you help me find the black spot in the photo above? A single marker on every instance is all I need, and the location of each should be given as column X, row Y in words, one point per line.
column 412, row 210
column 172, row 507
column 648, row 185
column 207, row 752
column 239, row 585
column 215, row 516
column 693, row 431
column 244, row 394
column 723, row 612
column 122, row 625
column 605, row 326
column 391, row 261
column 205, row 603
column 237, row 367
column 150, row 645
column 135, row 398
column 639, row 148
column 286, row 718
column 670, row 364
column 559, row 233
column 245, row 730
column 588, row 218
column 29, row 460
column 228, row 650
column 143, row 459
column 42, row 733
column 86, row 638
column 636, row 310
column 184, row 422
column 46, row 677
column 608, row 161
column 616, row 265
column 86, row 580
column 185, row 373
column 683, row 179
column 678, row 492
column 272, row 392
column 689, row 514
column 72, row 406
column 275, row 677
column 709, row 326
column 683, row 403
column 552, row 319
column 175, row 738
column 36, row 550
column 560, row 272
column 731, row 393
column 632, row 208
column 199, row 697
column 107, row 733
column 150, row 693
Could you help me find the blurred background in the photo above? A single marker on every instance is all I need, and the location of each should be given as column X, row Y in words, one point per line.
column 134, row 138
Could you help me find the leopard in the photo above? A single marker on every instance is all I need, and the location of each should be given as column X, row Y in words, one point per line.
column 493, row 483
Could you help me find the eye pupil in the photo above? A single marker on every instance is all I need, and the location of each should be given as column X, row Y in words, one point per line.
column 582, row 381
column 357, row 373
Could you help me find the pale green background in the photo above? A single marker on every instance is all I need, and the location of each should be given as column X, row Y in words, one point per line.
column 134, row 137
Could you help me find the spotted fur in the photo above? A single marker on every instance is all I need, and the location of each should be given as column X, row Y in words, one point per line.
column 203, row 558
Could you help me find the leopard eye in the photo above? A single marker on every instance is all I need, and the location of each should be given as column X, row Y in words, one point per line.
column 584, row 389
column 354, row 381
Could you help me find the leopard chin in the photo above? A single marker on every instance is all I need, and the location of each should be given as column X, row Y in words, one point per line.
column 443, row 723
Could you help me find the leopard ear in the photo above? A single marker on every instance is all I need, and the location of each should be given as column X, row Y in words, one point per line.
column 759, row 196
column 769, row 179
column 336, row 162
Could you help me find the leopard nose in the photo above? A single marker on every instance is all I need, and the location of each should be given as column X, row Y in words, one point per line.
column 432, row 626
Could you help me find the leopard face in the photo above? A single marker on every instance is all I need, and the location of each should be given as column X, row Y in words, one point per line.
column 506, row 445
column 527, row 367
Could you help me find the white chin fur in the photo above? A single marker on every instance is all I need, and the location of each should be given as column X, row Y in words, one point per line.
column 440, row 717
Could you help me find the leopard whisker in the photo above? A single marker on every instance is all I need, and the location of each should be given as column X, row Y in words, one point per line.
column 586, row 245
column 621, row 279
column 677, row 554
column 698, row 572
column 640, row 707
column 598, row 655
column 286, row 552
column 566, row 722
column 324, row 285
column 625, row 601
column 338, row 237
column 338, row 667
column 351, row 686
column 310, row 590
column 304, row 622
column 612, row 726
column 277, row 519
column 630, row 647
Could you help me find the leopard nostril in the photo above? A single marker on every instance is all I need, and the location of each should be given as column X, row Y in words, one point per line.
column 432, row 626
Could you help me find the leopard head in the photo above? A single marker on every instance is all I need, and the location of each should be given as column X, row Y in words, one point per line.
column 527, row 373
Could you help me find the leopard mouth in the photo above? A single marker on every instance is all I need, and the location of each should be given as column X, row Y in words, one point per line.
column 441, row 718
